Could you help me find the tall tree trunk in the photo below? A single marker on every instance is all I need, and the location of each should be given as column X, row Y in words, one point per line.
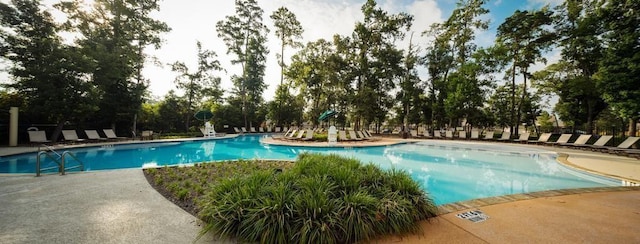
column 513, row 99
column 57, row 131
column 632, row 126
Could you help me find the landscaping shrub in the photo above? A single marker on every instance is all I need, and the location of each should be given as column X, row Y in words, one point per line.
column 321, row 199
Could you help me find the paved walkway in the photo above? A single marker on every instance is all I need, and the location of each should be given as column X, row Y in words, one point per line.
column 119, row 206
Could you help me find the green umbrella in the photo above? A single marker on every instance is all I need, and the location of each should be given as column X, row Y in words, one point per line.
column 327, row 114
column 203, row 115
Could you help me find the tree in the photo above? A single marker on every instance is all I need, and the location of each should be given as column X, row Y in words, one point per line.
column 245, row 37
column 113, row 35
column 525, row 35
column 310, row 73
column 579, row 101
column 376, row 62
column 288, row 30
column 410, row 88
column 619, row 70
column 52, row 77
column 201, row 83
column 572, row 79
column 453, row 77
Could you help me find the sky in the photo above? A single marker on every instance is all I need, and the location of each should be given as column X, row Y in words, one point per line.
column 194, row 20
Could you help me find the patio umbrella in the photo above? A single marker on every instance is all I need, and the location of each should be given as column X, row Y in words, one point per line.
column 203, row 115
column 327, row 114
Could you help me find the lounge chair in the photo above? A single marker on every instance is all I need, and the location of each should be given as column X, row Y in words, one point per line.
column 582, row 140
column 475, row 135
column 291, row 135
column 112, row 135
column 288, row 133
column 489, row 135
column 414, row 133
column 244, row 130
column 624, row 146
column 543, row 138
column 342, row 136
column 269, row 129
column 599, row 144
column 309, row 136
column 38, row 136
column 506, row 136
column 236, row 130
column 361, row 135
column 448, row 134
column 437, row 134
column 93, row 135
column 147, row 135
column 300, row 134
column 352, row 136
column 252, row 129
column 462, row 134
column 71, row 136
column 564, row 138
column 524, row 137
column 277, row 129
column 260, row 129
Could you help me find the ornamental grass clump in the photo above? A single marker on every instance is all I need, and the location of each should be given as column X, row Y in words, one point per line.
column 321, row 199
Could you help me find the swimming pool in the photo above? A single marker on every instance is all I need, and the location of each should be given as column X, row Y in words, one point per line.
column 450, row 171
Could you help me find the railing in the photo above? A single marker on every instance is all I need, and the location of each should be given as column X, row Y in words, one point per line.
column 59, row 159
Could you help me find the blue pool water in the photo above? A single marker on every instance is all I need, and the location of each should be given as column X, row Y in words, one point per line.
column 450, row 171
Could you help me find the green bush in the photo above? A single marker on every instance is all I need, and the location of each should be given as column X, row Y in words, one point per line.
column 320, row 137
column 322, row 199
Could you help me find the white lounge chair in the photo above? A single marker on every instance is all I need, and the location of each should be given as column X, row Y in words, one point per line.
column 448, row 134
column 524, row 137
column 475, row 135
column 599, row 144
column 112, row 135
column 462, row 134
column 309, row 136
column 582, row 140
column 543, row 138
column 506, row 136
column 147, row 134
column 352, row 135
column 342, row 136
column 362, row 136
column 93, row 135
column 564, row 138
column 38, row 136
column 71, row 135
column 489, row 135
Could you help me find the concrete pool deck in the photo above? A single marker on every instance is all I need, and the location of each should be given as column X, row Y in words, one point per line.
column 119, row 206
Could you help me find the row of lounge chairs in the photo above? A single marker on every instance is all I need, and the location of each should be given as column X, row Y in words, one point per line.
column 623, row 148
column 39, row 136
column 259, row 130
column 295, row 134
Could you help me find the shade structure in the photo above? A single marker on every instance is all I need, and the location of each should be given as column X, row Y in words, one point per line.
column 203, row 115
column 327, row 114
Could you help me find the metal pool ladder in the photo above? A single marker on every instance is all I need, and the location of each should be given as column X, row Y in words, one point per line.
column 58, row 158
